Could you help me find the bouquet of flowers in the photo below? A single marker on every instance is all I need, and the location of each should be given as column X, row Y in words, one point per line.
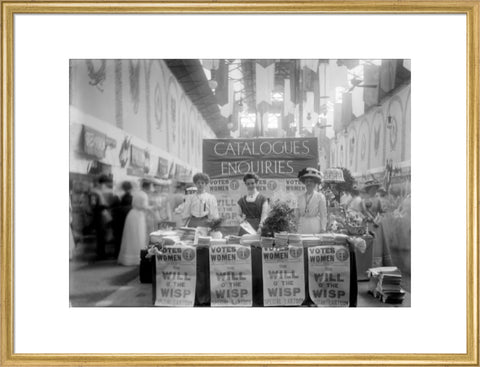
column 214, row 227
column 355, row 223
column 280, row 219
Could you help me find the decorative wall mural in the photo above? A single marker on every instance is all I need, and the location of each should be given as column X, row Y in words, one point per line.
column 393, row 133
column 96, row 73
column 376, row 141
column 134, row 73
column 351, row 151
column 363, row 146
column 124, row 150
column 157, row 106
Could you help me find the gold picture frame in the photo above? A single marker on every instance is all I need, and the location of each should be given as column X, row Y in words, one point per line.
column 469, row 8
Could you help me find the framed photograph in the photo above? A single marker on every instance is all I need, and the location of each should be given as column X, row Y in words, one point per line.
column 245, row 183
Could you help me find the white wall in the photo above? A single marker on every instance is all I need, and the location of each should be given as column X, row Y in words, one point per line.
column 136, row 98
column 367, row 144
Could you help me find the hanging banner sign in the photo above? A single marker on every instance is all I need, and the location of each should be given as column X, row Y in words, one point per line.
column 230, row 275
column 94, row 142
column 137, row 157
column 267, row 157
column 276, row 161
column 329, row 275
column 283, row 276
column 176, row 276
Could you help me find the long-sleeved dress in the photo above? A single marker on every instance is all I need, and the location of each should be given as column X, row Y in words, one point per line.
column 135, row 234
column 312, row 213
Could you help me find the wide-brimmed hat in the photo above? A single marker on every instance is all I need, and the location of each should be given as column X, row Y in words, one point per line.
column 382, row 189
column 310, row 173
column 371, row 183
column 161, row 182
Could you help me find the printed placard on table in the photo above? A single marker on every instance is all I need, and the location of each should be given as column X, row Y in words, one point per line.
column 231, row 275
column 176, row 276
column 329, row 275
column 283, row 276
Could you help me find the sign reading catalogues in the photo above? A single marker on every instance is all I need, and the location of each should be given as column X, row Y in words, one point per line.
column 230, row 275
column 176, row 276
column 329, row 275
column 283, row 276
column 267, row 157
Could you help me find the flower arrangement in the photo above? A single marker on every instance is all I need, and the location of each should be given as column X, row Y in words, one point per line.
column 214, row 228
column 214, row 224
column 355, row 223
column 280, row 219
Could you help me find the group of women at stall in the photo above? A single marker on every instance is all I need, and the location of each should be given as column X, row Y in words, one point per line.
column 199, row 208
column 253, row 207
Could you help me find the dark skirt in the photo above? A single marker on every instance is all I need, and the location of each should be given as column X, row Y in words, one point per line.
column 195, row 222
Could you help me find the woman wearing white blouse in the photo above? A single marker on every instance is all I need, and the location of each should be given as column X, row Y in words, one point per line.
column 312, row 206
column 200, row 207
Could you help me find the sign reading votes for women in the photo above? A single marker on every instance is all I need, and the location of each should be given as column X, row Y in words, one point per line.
column 329, row 275
column 176, row 276
column 283, row 276
column 268, row 158
column 230, row 275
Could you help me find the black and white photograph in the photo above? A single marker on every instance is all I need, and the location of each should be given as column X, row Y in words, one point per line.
column 240, row 183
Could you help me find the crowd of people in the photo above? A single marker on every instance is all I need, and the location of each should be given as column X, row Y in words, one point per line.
column 125, row 215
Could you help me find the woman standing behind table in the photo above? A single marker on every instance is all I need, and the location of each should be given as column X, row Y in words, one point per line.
column 202, row 206
column 312, row 207
column 252, row 207
column 135, row 233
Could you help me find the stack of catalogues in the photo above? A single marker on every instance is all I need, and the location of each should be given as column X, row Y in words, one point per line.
column 267, row 241
column 233, row 240
column 385, row 284
column 309, row 241
column 248, row 239
column 161, row 238
column 218, row 241
column 204, row 241
column 294, row 239
column 187, row 234
column 281, row 239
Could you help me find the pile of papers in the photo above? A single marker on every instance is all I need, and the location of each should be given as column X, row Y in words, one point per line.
column 385, row 284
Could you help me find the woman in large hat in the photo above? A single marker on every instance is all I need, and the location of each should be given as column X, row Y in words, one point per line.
column 312, row 207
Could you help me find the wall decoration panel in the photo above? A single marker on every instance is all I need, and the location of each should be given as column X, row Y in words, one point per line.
column 93, row 87
column 377, row 137
column 352, row 144
column 363, row 144
column 394, row 133
column 406, row 155
column 158, row 98
column 134, row 98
